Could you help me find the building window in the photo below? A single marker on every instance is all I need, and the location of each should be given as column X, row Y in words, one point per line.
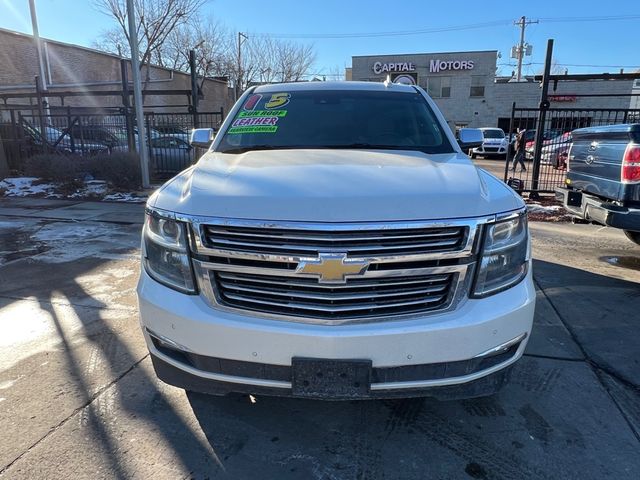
column 439, row 87
column 477, row 86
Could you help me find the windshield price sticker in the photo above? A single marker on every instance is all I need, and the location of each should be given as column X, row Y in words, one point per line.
column 252, row 101
column 278, row 100
column 243, row 122
column 254, row 129
column 263, row 113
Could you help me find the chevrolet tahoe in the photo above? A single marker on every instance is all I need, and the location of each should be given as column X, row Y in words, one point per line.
column 335, row 242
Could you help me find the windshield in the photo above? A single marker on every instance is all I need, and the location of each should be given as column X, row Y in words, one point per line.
column 493, row 133
column 335, row 119
column 53, row 134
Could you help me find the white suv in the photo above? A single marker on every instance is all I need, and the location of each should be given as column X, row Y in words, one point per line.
column 335, row 242
column 495, row 143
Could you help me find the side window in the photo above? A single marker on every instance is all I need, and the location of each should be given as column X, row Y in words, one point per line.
column 434, row 85
column 446, row 87
column 477, row 86
column 439, row 87
column 160, row 142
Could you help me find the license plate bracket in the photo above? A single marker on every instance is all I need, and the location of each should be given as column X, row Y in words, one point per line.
column 329, row 378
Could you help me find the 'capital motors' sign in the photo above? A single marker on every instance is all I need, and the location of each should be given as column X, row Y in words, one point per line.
column 436, row 66
column 380, row 67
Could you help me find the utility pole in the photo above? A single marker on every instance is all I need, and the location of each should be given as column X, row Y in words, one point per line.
column 194, row 87
column 36, row 39
column 241, row 38
column 137, row 95
column 520, row 49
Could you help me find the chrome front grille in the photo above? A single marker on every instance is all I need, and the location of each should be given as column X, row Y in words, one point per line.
column 358, row 298
column 288, row 241
column 412, row 268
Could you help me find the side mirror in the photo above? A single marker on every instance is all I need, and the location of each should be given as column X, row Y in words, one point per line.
column 201, row 137
column 470, row 138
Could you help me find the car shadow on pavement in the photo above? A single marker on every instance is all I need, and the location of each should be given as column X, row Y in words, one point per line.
column 602, row 313
column 554, row 420
column 55, row 285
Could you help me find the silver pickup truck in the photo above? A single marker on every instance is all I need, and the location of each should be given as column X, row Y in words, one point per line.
column 603, row 177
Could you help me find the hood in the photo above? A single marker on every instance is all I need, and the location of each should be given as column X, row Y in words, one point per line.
column 335, row 186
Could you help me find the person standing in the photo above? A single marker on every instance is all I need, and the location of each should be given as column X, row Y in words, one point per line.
column 520, row 150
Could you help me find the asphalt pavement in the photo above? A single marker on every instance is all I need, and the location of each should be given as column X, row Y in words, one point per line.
column 79, row 399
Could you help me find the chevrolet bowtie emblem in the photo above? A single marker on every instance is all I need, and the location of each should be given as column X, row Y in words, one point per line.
column 332, row 267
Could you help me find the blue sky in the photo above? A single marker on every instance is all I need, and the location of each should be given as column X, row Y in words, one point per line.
column 603, row 45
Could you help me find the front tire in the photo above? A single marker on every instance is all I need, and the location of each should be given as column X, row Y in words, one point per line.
column 633, row 236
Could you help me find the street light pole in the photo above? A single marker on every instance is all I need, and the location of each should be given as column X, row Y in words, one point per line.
column 137, row 95
column 36, row 39
column 241, row 37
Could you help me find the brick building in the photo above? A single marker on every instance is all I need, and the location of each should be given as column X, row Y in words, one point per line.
column 72, row 68
column 467, row 90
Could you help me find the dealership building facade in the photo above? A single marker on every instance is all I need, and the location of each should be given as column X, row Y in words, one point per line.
column 470, row 94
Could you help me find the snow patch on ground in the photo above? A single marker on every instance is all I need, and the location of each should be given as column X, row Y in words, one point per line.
column 124, row 197
column 26, row 187
column 546, row 210
column 70, row 241
column 537, row 208
column 92, row 189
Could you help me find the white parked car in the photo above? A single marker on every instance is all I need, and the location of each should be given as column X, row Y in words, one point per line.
column 322, row 249
column 495, row 143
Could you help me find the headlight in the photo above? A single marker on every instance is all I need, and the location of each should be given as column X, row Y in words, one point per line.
column 166, row 257
column 505, row 256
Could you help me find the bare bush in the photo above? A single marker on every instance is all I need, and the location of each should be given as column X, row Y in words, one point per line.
column 120, row 170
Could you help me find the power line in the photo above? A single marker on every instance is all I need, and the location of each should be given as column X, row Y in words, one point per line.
column 572, row 65
column 388, row 34
column 451, row 28
column 605, row 18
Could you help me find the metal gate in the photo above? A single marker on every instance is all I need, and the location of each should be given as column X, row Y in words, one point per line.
column 168, row 140
column 546, row 168
column 25, row 133
column 548, row 130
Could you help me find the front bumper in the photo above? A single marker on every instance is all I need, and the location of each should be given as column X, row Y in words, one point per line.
column 490, row 150
column 597, row 210
column 227, row 351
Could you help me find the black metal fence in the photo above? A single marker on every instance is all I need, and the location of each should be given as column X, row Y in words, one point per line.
column 25, row 133
column 543, row 172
